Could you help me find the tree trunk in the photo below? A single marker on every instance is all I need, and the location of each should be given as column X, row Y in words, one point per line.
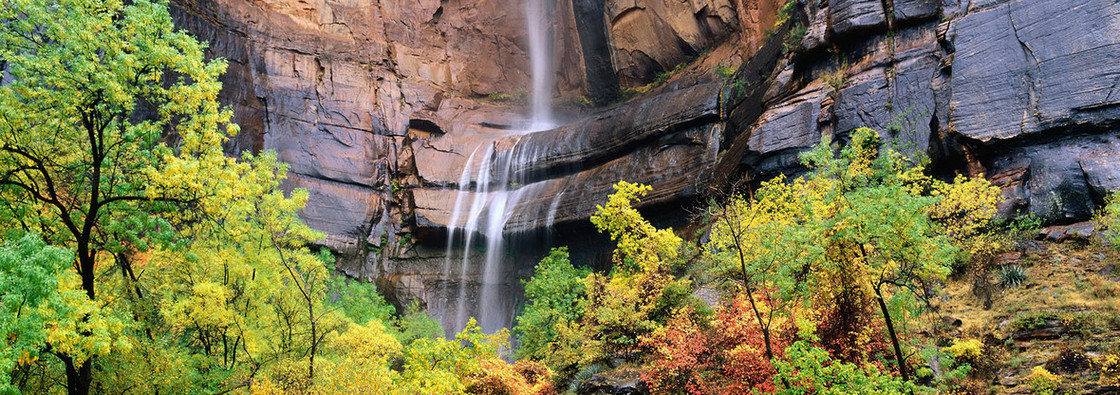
column 314, row 344
column 85, row 268
column 747, row 286
column 764, row 328
column 894, row 336
column 78, row 378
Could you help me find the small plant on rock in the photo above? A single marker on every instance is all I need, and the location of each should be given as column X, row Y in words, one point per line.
column 1109, row 219
column 1110, row 369
column 1012, row 276
column 1043, row 382
column 836, row 78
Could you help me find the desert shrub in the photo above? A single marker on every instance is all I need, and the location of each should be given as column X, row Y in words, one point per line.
column 1109, row 365
column 1011, row 276
column 681, row 356
column 1043, row 382
column 724, row 355
column 1068, row 361
column 966, row 350
column 1103, row 289
column 1109, row 219
column 740, row 351
column 496, row 377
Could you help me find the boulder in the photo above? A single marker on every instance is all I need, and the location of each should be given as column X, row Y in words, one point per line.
column 622, row 382
column 1082, row 231
column 1060, row 180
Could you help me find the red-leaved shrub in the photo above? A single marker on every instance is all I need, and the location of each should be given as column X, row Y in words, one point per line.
column 727, row 357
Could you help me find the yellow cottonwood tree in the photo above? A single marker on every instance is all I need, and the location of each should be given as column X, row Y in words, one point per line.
column 111, row 142
column 98, row 98
column 861, row 225
column 641, row 291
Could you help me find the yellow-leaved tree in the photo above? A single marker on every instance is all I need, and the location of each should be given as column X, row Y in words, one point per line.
column 862, row 229
column 641, row 291
column 193, row 266
column 99, row 98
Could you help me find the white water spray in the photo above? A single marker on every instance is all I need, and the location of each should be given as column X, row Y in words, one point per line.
column 540, row 51
column 499, row 186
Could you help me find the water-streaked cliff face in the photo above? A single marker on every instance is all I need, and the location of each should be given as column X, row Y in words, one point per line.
column 377, row 106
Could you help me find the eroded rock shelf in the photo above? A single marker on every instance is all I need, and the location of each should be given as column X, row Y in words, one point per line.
column 377, row 107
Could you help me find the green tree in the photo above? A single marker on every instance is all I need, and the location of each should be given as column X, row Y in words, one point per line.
column 98, row 100
column 29, row 296
column 863, row 227
column 878, row 236
column 244, row 288
column 555, row 296
column 763, row 243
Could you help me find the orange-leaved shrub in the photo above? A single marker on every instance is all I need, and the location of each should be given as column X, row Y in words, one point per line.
column 724, row 355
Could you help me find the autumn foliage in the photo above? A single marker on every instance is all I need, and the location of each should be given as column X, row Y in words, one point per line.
column 724, row 355
column 137, row 254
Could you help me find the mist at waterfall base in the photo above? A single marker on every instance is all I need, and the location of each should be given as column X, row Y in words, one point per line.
column 491, row 186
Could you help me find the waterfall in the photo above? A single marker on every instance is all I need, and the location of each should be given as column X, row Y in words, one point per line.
column 497, row 189
column 536, row 19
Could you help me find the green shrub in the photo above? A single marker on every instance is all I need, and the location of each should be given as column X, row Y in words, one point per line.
column 415, row 324
column 1109, row 219
column 1032, row 321
column 554, row 295
column 808, row 368
column 1043, row 382
column 1012, row 276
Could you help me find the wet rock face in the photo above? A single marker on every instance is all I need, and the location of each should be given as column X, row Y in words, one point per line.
column 663, row 140
column 377, row 107
column 849, row 16
column 1021, row 91
column 602, row 82
column 332, row 87
column 653, row 36
column 1047, row 66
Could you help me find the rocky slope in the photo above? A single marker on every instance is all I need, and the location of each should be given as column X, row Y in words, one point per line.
column 376, row 107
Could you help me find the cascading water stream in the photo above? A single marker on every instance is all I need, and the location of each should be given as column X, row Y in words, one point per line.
column 498, row 188
column 536, row 19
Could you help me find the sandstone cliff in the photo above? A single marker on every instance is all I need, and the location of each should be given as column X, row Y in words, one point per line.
column 1021, row 91
column 377, row 106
